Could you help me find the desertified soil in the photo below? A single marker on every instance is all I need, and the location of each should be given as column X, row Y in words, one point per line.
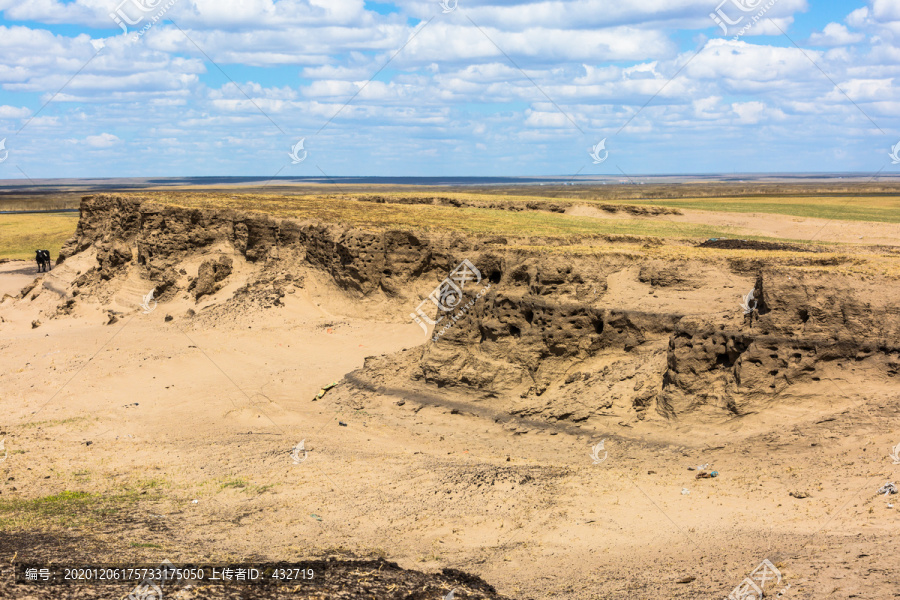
column 139, row 429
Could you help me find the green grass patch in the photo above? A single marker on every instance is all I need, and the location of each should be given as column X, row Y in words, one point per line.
column 235, row 483
column 21, row 235
column 69, row 508
column 245, row 486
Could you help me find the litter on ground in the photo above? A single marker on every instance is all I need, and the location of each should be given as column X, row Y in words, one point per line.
column 888, row 488
column 324, row 389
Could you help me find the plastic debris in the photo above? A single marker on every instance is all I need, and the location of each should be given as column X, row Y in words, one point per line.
column 705, row 475
column 888, row 488
column 699, row 467
column 324, row 389
column 685, row 491
column 342, row 424
column 195, row 502
column 316, row 517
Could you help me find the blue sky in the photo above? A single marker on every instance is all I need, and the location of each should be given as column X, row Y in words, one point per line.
column 228, row 87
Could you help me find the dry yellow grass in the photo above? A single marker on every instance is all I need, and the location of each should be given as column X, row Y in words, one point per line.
column 426, row 217
column 21, row 235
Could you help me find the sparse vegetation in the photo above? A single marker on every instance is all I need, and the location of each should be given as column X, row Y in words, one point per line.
column 235, row 483
column 66, row 509
column 57, row 422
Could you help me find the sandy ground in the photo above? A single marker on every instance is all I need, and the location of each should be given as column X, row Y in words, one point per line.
column 16, row 274
column 768, row 225
column 209, row 408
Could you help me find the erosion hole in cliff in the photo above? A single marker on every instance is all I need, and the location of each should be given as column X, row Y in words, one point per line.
column 529, row 315
column 495, row 276
column 520, row 275
column 803, row 314
column 724, row 360
column 515, row 331
column 557, row 350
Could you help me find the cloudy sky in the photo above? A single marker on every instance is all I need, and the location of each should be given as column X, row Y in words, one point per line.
column 106, row 88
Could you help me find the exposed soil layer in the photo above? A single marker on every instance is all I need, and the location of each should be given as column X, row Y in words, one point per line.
column 333, row 578
column 560, row 206
column 756, row 245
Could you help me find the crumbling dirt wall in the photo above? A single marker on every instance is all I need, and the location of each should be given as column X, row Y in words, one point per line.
column 551, row 329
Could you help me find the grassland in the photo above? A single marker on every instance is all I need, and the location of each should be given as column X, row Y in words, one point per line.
column 420, row 217
column 39, row 201
column 21, row 235
column 482, row 212
column 867, row 206
column 884, row 209
column 342, row 208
